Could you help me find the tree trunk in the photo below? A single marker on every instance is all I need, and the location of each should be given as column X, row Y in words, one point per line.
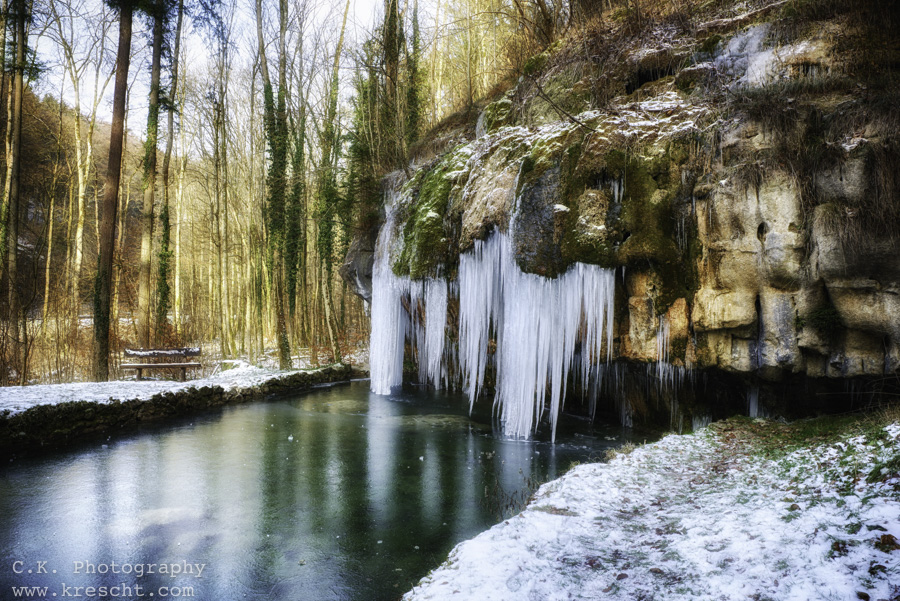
column 70, row 317
column 179, row 218
column 330, row 319
column 149, row 181
column 45, row 311
column 218, row 144
column 276, row 135
column 162, row 296
column 14, row 142
column 124, row 197
column 4, row 206
column 75, row 292
column 328, row 191
column 103, row 285
column 227, row 322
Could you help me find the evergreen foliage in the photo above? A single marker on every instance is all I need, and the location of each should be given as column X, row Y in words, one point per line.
column 329, row 194
column 415, row 82
column 295, row 234
column 162, row 280
column 362, row 181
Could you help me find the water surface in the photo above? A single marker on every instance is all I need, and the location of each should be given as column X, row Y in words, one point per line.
column 336, row 494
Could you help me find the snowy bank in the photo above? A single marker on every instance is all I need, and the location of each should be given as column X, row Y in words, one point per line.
column 704, row 516
column 57, row 414
column 16, row 399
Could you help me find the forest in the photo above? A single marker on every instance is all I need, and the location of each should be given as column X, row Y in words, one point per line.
column 495, row 299
column 217, row 210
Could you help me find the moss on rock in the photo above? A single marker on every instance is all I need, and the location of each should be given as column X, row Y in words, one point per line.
column 499, row 113
column 623, row 210
column 426, row 240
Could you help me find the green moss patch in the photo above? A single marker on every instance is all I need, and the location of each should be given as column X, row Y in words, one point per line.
column 499, row 113
column 774, row 440
column 426, row 239
column 637, row 229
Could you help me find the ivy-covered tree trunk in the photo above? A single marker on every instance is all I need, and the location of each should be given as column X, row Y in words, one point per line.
column 4, row 204
column 149, row 178
column 329, row 196
column 295, row 234
column 51, row 218
column 392, row 120
column 415, row 83
column 363, row 181
column 103, row 283
column 165, row 254
column 275, row 118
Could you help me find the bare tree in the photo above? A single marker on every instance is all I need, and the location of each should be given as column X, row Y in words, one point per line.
column 81, row 36
column 10, row 208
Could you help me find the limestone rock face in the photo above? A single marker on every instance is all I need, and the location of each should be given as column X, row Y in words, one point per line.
column 731, row 251
column 484, row 192
column 356, row 269
column 533, row 232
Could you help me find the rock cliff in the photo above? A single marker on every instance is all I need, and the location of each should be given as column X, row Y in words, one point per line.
column 742, row 176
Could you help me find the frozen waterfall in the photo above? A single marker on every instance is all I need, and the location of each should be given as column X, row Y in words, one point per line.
column 431, row 353
column 392, row 323
column 537, row 324
column 389, row 319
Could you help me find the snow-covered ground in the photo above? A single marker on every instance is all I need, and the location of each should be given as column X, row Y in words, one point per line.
column 16, row 399
column 696, row 517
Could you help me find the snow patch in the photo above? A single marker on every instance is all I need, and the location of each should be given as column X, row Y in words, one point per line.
column 687, row 519
column 16, row 399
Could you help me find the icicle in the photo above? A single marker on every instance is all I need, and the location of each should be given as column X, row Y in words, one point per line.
column 669, row 377
column 618, row 189
column 416, row 327
column 389, row 320
column 681, row 232
column 431, row 350
column 626, row 411
column 700, row 421
column 753, row 408
column 664, row 369
column 479, row 281
column 536, row 322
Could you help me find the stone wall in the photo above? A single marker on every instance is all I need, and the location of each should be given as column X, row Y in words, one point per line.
column 46, row 427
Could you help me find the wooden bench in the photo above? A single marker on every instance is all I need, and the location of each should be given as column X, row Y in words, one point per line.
column 162, row 358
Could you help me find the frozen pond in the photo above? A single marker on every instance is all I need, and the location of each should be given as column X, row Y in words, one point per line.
column 336, row 494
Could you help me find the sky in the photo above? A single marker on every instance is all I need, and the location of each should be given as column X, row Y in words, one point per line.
column 360, row 20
